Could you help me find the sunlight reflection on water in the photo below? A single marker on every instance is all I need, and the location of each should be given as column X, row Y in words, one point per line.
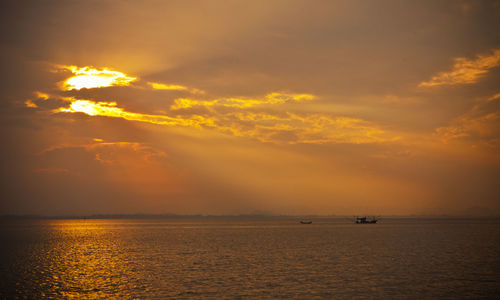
column 256, row 258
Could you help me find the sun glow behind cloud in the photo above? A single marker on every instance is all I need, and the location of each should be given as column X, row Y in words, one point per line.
column 263, row 118
column 87, row 77
column 109, row 109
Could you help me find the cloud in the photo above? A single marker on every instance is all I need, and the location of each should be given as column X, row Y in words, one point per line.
column 465, row 71
column 302, row 128
column 271, row 98
column 40, row 95
column 86, row 159
column 480, row 125
column 174, row 87
column 161, row 86
column 30, row 103
column 264, row 118
column 276, row 127
column 110, row 153
column 275, row 117
column 88, row 77
column 132, row 168
column 494, row 97
column 110, row 109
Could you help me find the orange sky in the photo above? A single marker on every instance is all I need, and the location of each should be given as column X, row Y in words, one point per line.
column 228, row 107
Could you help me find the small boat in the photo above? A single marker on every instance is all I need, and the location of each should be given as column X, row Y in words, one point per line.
column 306, row 222
column 364, row 220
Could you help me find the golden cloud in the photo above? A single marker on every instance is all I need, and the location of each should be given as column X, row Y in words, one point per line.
column 109, row 109
column 174, row 87
column 267, row 127
column 494, row 97
column 465, row 71
column 30, row 103
column 272, row 98
column 41, row 95
column 481, row 124
column 243, row 117
column 161, row 86
column 38, row 97
column 88, row 77
column 309, row 128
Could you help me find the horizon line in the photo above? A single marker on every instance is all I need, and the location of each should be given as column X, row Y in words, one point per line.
column 249, row 215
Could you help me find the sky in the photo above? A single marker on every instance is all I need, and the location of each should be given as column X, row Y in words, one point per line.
column 238, row 107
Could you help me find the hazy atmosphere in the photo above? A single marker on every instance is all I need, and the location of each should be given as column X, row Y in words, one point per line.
column 232, row 107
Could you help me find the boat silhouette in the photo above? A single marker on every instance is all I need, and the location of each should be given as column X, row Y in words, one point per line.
column 306, row 222
column 364, row 220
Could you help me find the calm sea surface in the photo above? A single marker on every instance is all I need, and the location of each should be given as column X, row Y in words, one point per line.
column 272, row 258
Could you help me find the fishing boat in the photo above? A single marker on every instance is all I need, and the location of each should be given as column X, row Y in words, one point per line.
column 306, row 222
column 364, row 220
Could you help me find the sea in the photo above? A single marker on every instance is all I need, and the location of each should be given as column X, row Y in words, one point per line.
column 250, row 258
